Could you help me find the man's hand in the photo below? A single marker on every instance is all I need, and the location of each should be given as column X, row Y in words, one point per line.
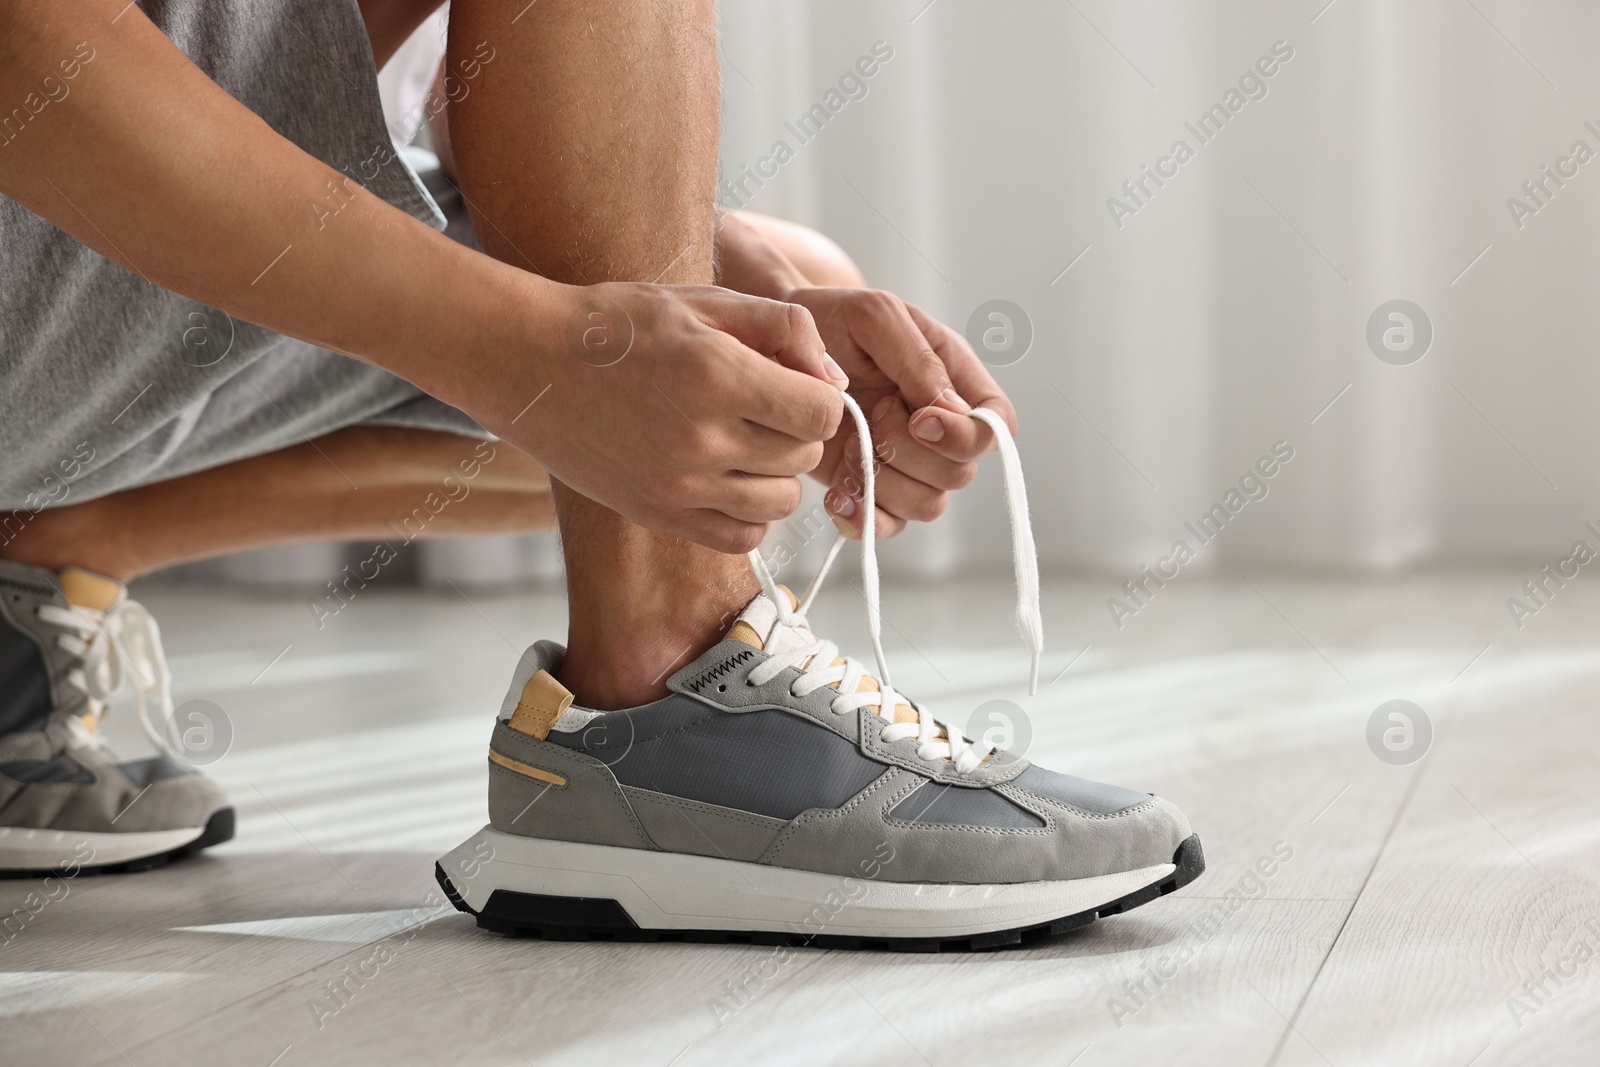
column 700, row 428
column 915, row 378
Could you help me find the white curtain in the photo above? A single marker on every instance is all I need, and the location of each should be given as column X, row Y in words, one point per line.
column 1225, row 313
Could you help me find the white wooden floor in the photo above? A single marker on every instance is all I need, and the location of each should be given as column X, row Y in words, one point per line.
column 1417, row 901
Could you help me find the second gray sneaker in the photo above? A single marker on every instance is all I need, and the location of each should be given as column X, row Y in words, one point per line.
column 68, row 804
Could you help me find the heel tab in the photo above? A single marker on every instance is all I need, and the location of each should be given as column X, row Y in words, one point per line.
column 540, row 704
column 86, row 589
column 540, row 656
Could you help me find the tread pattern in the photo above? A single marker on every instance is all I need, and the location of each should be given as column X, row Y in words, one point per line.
column 602, row 919
column 219, row 828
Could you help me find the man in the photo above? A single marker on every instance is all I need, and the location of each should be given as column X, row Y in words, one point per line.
column 190, row 184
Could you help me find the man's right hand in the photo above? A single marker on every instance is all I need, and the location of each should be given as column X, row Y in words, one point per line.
column 686, row 409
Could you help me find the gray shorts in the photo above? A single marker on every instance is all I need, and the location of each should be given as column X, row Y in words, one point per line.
column 108, row 381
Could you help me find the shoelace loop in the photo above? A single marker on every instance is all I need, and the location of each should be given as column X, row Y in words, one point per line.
column 114, row 647
column 937, row 740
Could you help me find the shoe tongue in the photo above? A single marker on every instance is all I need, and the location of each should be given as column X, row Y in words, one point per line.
column 758, row 626
column 86, row 589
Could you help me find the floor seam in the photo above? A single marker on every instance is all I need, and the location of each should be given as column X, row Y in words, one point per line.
column 1394, row 824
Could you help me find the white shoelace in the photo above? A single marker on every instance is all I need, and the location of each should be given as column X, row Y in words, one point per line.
column 113, row 647
column 936, row 740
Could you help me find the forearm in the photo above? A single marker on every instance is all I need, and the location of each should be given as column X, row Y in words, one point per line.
column 149, row 162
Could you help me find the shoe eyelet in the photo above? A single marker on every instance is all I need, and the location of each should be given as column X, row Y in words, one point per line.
column 723, row 688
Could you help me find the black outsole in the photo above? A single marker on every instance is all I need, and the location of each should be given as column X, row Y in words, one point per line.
column 602, row 919
column 219, row 828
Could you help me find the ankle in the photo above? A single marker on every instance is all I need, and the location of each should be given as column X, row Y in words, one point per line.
column 628, row 661
column 640, row 604
column 621, row 653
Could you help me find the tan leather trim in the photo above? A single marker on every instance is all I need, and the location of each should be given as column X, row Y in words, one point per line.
column 743, row 631
column 903, row 712
column 86, row 589
column 523, row 768
column 542, row 702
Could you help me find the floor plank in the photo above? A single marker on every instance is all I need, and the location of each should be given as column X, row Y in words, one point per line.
column 1489, row 881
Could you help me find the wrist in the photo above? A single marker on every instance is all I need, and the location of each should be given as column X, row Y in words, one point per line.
column 750, row 263
column 484, row 334
column 775, row 280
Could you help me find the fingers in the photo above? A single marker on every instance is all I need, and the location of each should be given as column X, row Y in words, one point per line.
column 762, row 450
column 738, row 509
column 941, row 428
column 882, row 325
column 717, row 531
column 783, row 332
column 795, row 388
column 906, row 498
column 958, row 438
column 750, row 498
column 899, row 496
column 846, row 512
column 897, row 493
column 776, row 397
column 899, row 448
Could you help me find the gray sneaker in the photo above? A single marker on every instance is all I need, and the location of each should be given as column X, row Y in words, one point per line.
column 781, row 793
column 67, row 803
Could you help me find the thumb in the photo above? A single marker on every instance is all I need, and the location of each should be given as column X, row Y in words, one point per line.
column 902, row 351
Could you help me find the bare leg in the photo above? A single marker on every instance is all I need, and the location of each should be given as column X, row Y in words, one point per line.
column 305, row 493
column 587, row 152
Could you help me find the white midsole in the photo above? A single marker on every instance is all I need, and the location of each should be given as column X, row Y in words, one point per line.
column 673, row 891
column 23, row 849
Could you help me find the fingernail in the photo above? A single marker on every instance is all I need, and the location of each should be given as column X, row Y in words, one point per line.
column 842, row 504
column 833, row 369
column 952, row 400
column 883, row 408
column 844, row 528
column 929, row 429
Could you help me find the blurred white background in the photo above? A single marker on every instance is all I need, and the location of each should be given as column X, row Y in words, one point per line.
column 1232, row 308
column 1175, row 345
